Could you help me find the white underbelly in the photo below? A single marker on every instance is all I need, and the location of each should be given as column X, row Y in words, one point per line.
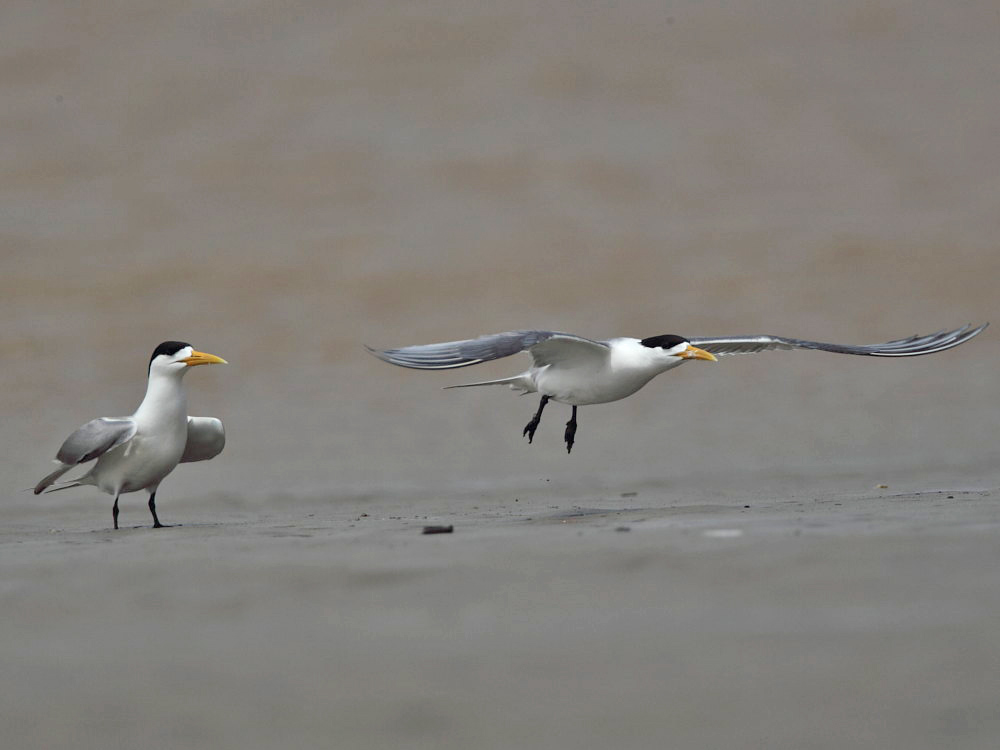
column 137, row 464
column 591, row 386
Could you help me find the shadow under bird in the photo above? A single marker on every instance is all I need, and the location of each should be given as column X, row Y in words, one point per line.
column 136, row 453
column 578, row 371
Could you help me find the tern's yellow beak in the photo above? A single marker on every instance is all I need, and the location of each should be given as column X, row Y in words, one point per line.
column 200, row 358
column 693, row 352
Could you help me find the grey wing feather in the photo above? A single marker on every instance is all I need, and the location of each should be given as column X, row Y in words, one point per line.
column 48, row 479
column 206, row 439
column 452, row 354
column 92, row 440
column 562, row 347
column 913, row 346
column 96, row 438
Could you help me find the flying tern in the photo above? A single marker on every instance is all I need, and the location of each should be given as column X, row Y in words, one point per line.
column 136, row 453
column 579, row 371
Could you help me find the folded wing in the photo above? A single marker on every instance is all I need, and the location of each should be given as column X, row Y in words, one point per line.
column 913, row 346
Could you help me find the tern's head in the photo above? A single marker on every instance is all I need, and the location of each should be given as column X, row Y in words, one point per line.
column 676, row 348
column 176, row 357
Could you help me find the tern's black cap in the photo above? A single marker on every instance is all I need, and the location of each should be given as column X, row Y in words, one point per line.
column 167, row 347
column 666, row 341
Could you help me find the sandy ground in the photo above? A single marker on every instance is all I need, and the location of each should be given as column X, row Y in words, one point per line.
column 688, row 616
column 281, row 183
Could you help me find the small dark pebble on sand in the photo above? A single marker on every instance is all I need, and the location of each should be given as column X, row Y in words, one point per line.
column 438, row 529
column 623, row 528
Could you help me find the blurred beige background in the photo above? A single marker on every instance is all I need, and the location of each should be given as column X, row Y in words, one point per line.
column 280, row 183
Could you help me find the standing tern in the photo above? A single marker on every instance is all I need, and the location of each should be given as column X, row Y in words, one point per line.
column 136, row 453
column 578, row 371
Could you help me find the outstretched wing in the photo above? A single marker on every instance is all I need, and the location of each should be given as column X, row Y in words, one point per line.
column 545, row 347
column 91, row 441
column 95, row 439
column 913, row 346
column 206, row 439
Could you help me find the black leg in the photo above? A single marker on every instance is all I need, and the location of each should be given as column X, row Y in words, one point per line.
column 114, row 511
column 152, row 509
column 529, row 429
column 571, row 431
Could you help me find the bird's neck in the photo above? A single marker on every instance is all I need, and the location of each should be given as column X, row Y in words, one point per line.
column 165, row 400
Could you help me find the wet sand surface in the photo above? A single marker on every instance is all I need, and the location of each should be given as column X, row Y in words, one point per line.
column 715, row 565
column 689, row 617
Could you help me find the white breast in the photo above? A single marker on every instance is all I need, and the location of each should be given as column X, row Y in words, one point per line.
column 629, row 366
